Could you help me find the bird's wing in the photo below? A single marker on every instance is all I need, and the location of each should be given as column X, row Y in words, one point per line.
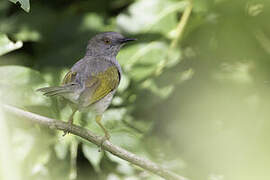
column 99, row 85
column 99, row 77
column 107, row 82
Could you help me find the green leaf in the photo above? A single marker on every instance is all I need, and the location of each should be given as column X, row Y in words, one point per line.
column 151, row 15
column 124, row 83
column 126, row 138
column 141, row 60
column 24, row 141
column 25, row 4
column 91, row 21
column 27, row 34
column 162, row 92
column 91, row 153
column 123, row 166
column 111, row 120
column 6, row 45
column 114, row 114
column 62, row 146
column 18, row 86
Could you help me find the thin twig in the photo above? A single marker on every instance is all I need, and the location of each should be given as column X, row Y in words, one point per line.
column 91, row 137
column 179, row 33
column 182, row 24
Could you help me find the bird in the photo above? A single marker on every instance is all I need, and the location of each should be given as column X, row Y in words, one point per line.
column 92, row 81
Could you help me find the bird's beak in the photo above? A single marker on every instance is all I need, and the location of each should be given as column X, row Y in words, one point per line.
column 125, row 40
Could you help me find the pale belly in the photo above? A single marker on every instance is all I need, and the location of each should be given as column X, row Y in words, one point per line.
column 100, row 106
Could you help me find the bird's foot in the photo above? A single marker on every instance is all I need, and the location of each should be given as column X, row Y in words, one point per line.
column 106, row 137
column 67, row 131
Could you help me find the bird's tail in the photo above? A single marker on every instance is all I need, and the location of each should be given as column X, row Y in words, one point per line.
column 56, row 90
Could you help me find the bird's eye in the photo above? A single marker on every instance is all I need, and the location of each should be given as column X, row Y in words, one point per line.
column 107, row 41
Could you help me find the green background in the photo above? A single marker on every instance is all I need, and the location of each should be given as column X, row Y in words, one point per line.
column 204, row 116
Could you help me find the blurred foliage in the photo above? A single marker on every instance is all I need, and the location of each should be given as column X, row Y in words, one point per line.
column 24, row 4
column 7, row 45
column 205, row 116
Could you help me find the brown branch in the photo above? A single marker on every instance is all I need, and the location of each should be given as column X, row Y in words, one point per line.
column 91, row 137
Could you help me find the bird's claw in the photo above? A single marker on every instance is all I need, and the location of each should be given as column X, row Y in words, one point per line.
column 104, row 138
column 67, row 131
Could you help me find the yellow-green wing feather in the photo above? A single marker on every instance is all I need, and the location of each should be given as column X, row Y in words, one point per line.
column 108, row 81
column 69, row 77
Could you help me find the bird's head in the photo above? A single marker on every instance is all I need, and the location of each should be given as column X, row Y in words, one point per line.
column 106, row 44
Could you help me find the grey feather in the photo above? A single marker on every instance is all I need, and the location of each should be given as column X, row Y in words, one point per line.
column 57, row 90
column 89, row 66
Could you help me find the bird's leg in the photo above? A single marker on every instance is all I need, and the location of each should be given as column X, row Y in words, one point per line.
column 70, row 121
column 107, row 135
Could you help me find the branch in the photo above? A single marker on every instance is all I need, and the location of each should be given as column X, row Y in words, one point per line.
column 182, row 24
column 91, row 137
column 179, row 33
